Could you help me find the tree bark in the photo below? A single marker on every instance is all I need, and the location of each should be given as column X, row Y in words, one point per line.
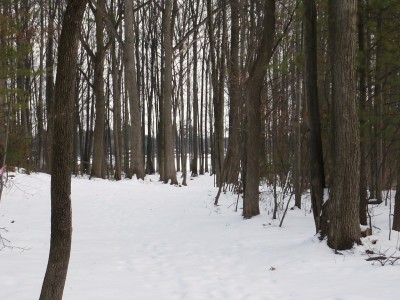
column 363, row 110
column 396, row 214
column 253, row 87
column 378, row 105
column 137, row 163
column 50, row 82
column 316, row 160
column 343, row 215
column 218, row 103
column 117, row 114
column 169, row 161
column 232, row 160
column 98, row 169
column 61, row 212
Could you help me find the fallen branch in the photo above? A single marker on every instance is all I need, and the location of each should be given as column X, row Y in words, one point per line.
column 376, row 258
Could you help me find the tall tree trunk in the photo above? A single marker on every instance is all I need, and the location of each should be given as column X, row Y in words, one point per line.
column 149, row 162
column 218, row 145
column 117, row 114
column 50, row 81
column 194, row 162
column 316, row 160
column 98, row 169
column 169, row 161
column 232, row 160
column 297, row 96
column 40, row 104
column 127, row 137
column 183, row 120
column 206, row 111
column 202, row 117
column 137, row 163
column 378, row 104
column 253, row 87
column 61, row 212
column 363, row 110
column 343, row 209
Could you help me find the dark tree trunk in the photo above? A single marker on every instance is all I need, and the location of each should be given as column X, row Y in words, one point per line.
column 232, row 160
column 61, row 212
column 98, row 165
column 116, row 78
column 194, row 162
column 149, row 162
column 50, row 82
column 137, row 164
column 363, row 110
column 343, row 207
column 297, row 96
column 396, row 215
column 316, row 159
column 253, row 87
column 202, row 117
column 169, row 161
column 378, row 104
column 206, row 113
column 218, row 103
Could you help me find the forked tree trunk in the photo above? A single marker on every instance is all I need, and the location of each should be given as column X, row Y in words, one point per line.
column 253, row 87
column 61, row 213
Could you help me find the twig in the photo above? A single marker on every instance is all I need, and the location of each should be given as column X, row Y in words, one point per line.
column 287, row 206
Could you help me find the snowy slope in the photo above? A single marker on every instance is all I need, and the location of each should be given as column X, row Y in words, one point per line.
column 146, row 240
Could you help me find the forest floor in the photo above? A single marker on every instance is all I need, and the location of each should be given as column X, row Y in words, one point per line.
column 147, row 240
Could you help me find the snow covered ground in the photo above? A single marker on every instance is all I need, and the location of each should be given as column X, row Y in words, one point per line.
column 146, row 240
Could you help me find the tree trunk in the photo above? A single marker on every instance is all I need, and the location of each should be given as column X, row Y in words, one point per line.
column 316, row 159
column 50, row 82
column 194, row 162
column 61, row 212
column 218, row 145
column 253, row 87
column 343, row 215
column 169, row 161
column 149, row 162
column 232, row 160
column 363, row 110
column 396, row 215
column 297, row 96
column 137, row 163
column 98, row 164
column 117, row 115
column 378, row 104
